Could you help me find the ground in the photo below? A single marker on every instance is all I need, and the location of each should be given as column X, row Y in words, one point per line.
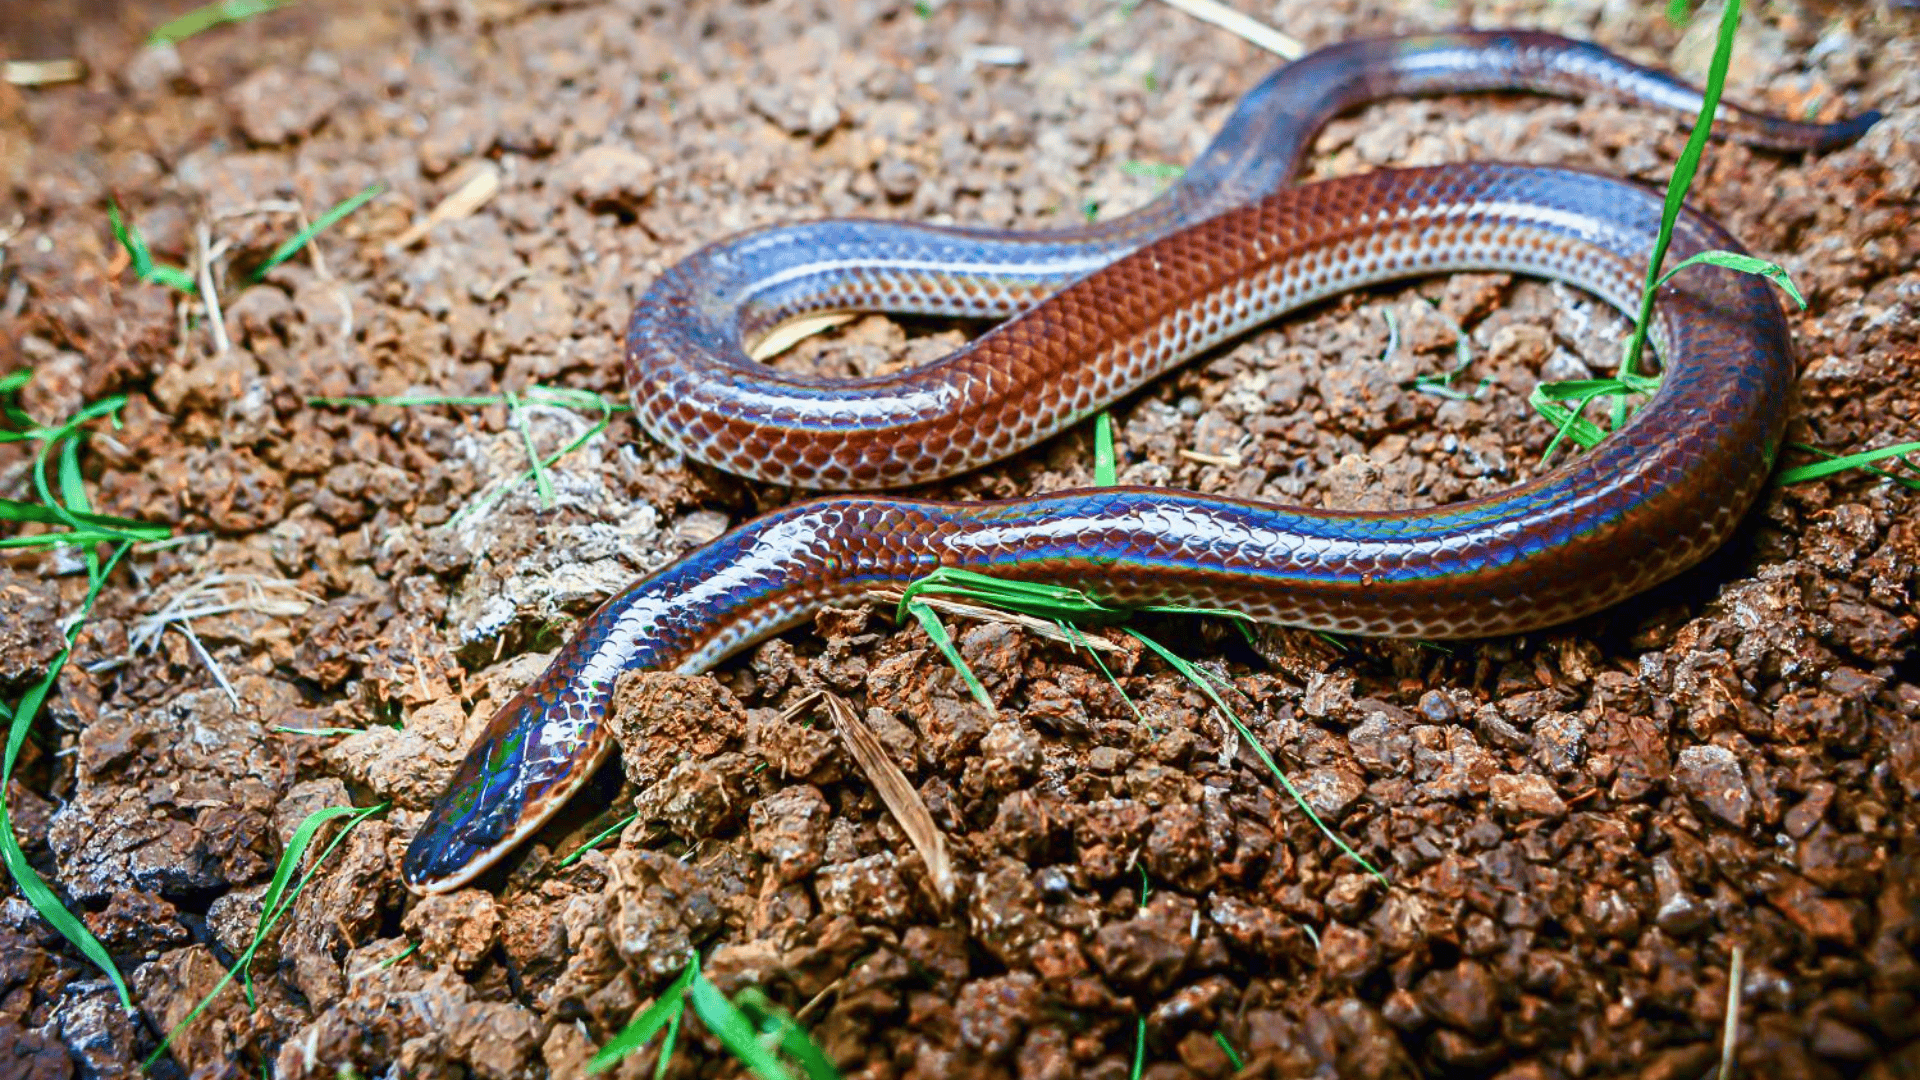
column 1578, row 830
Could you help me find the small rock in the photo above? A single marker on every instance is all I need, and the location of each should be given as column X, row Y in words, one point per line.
column 1522, row 344
column 1258, row 930
column 1834, row 1040
column 97, row 1033
column 29, row 627
column 659, row 717
column 1711, row 776
column 991, row 1014
column 1005, row 913
column 1438, row 707
column 898, row 178
column 1528, row 794
column 793, row 750
column 1560, row 741
column 1823, row 918
column 868, row 889
column 1331, row 791
column 1463, row 997
column 790, row 829
column 697, row 797
column 1809, row 810
column 609, row 177
column 1676, row 911
column 31, row 1055
column 153, row 68
column 1009, row 754
column 1149, row 951
column 1403, row 1011
column 1347, row 954
column 1382, row 747
column 1450, row 763
column 275, row 105
column 455, row 930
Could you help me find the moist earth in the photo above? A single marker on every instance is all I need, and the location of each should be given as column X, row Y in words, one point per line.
column 1577, row 831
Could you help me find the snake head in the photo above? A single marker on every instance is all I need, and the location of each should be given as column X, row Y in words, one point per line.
column 534, row 753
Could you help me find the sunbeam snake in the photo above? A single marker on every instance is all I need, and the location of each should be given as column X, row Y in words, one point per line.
column 1103, row 309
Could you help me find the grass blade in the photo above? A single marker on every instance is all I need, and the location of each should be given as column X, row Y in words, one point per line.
column 1105, row 472
column 665, row 1010
column 292, row 244
column 144, row 267
column 1677, row 186
column 202, row 19
column 1800, row 474
column 274, row 901
column 735, row 1032
column 115, row 527
column 1746, row 264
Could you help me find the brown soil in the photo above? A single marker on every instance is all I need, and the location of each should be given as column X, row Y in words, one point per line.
column 1580, row 827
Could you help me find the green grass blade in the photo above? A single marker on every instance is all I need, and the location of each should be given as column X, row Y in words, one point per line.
column 1139, row 1049
column 598, row 838
column 294, row 243
column 1233, row 1056
column 41, row 514
column 73, row 492
column 1746, row 264
column 271, row 901
column 936, row 630
column 1677, row 186
column 794, row 1040
column 1105, row 471
column 202, row 19
column 518, row 417
column 1026, row 597
column 668, row 1043
column 1864, row 460
column 10, row 386
column 734, row 1030
column 640, row 1031
column 144, row 267
column 1153, row 170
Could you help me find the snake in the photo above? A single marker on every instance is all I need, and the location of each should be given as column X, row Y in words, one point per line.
column 1096, row 311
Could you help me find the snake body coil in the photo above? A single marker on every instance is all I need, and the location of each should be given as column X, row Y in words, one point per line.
column 1102, row 310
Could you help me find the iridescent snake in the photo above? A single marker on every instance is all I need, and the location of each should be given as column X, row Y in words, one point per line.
column 1104, row 308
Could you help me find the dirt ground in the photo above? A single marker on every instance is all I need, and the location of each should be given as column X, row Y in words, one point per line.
column 1580, row 828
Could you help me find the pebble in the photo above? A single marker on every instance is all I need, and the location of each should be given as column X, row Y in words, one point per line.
column 1712, row 777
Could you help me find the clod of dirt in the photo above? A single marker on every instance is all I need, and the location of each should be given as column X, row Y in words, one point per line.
column 790, row 830
column 661, row 719
column 29, row 627
column 455, row 930
column 208, row 826
column 274, row 105
column 610, row 177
